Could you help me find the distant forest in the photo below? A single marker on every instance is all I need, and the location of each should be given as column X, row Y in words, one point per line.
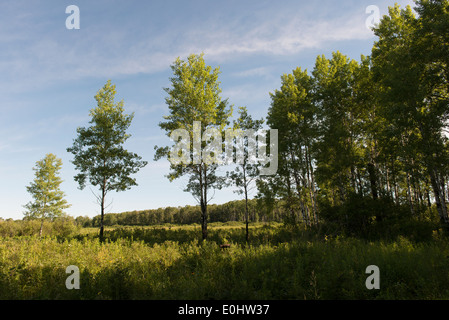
column 230, row 211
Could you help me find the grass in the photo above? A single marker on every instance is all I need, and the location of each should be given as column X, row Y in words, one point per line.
column 171, row 262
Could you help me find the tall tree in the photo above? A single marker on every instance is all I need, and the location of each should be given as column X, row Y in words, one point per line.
column 195, row 104
column 245, row 173
column 49, row 200
column 294, row 113
column 413, row 76
column 98, row 150
column 433, row 38
column 337, row 149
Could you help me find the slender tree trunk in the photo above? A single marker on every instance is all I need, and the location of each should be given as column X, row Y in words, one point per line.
column 298, row 191
column 373, row 180
column 203, row 220
column 409, row 194
column 429, row 203
column 246, row 215
column 443, row 198
column 103, row 195
column 40, row 230
column 245, row 186
column 437, row 193
column 312, row 187
column 203, row 201
column 387, row 182
column 395, row 184
column 290, row 201
column 42, row 219
column 353, row 180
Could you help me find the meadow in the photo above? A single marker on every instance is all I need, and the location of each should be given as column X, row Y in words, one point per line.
column 170, row 262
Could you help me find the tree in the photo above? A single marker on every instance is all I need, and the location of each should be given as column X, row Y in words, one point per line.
column 294, row 113
column 245, row 173
column 410, row 66
column 433, row 38
column 337, row 151
column 195, row 106
column 98, row 150
column 49, row 200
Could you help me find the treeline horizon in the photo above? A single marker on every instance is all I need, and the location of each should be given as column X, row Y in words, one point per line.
column 231, row 211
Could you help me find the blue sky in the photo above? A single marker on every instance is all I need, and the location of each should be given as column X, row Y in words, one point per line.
column 49, row 75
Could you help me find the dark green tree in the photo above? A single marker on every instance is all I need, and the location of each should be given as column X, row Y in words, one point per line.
column 413, row 76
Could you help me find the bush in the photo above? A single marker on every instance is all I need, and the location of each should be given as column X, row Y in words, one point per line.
column 371, row 219
column 61, row 227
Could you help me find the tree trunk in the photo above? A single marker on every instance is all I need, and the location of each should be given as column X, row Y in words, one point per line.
column 296, row 177
column 409, row 194
column 103, row 194
column 203, row 220
column 40, row 230
column 429, row 203
column 203, row 202
column 373, row 180
column 246, row 215
column 442, row 211
column 443, row 198
column 245, row 186
column 310, row 178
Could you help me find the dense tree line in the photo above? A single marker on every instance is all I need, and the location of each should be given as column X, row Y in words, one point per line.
column 361, row 140
column 231, row 211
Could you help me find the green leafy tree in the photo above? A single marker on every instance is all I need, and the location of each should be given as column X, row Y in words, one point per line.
column 294, row 113
column 337, row 151
column 98, row 150
column 245, row 174
column 433, row 39
column 49, row 201
column 195, row 96
column 409, row 66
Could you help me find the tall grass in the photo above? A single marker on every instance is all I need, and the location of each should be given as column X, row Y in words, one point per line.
column 174, row 264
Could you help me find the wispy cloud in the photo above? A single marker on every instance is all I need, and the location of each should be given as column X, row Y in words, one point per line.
column 51, row 57
column 254, row 72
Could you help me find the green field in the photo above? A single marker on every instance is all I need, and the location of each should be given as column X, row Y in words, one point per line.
column 170, row 262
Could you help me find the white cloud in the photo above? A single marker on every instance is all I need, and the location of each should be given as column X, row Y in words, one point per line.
column 50, row 59
column 254, row 72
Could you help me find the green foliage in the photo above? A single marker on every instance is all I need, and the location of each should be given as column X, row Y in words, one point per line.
column 195, row 96
column 363, row 217
column 363, row 140
column 61, row 227
column 362, row 180
column 233, row 211
column 245, row 173
column 49, row 201
column 294, row 114
column 98, row 150
column 410, row 69
column 285, row 263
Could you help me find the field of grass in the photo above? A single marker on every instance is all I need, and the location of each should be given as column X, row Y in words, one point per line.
column 170, row 262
